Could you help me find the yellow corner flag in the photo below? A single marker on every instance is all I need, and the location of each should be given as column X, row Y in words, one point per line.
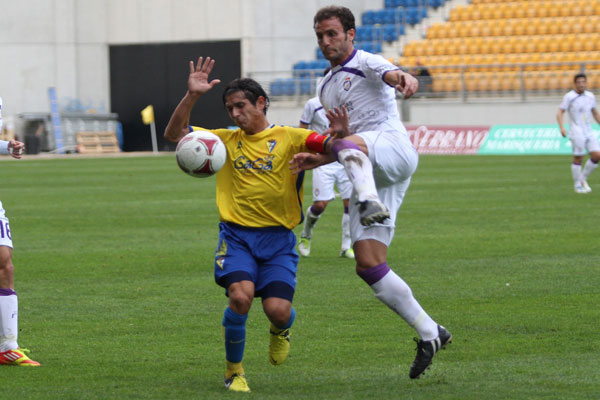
column 148, row 115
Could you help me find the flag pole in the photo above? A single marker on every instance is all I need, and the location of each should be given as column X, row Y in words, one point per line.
column 153, row 133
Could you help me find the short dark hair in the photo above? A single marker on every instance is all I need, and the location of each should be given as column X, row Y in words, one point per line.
column 342, row 13
column 252, row 91
column 579, row 75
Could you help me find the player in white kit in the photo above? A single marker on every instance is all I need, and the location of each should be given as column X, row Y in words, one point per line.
column 10, row 353
column 379, row 159
column 581, row 106
column 324, row 179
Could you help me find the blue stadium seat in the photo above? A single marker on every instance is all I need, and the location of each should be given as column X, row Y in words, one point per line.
column 300, row 69
column 319, row 54
column 379, row 17
column 289, row 87
column 306, row 85
column 368, row 17
column 391, row 32
column 412, row 16
column 277, row 87
column 390, row 4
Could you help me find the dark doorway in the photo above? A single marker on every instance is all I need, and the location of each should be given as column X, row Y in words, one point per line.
column 157, row 74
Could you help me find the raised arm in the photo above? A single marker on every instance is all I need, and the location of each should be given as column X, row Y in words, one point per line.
column 198, row 84
column 403, row 82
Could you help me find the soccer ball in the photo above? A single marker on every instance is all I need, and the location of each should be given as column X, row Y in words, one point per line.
column 200, row 154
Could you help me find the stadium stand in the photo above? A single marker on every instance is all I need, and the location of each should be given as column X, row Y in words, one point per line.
column 380, row 26
column 495, row 45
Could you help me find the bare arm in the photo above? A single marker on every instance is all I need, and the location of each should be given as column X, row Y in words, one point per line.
column 559, row 118
column 198, row 85
column 403, row 82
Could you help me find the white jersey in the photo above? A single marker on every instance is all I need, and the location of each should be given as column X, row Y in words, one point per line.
column 314, row 116
column 358, row 85
column 3, row 143
column 0, row 114
column 579, row 107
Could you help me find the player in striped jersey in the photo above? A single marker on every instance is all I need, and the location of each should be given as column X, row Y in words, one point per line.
column 10, row 353
column 581, row 106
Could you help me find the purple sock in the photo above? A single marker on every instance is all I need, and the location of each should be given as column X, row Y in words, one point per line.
column 315, row 213
column 374, row 274
column 7, row 292
column 342, row 144
column 345, row 209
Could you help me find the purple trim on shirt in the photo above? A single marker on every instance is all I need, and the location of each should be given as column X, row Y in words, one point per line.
column 305, row 123
column 383, row 77
column 353, row 71
column 318, row 108
column 7, row 292
column 374, row 274
column 347, row 60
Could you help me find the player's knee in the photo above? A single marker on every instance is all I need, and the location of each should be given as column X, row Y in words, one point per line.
column 6, row 264
column 240, row 302
column 277, row 310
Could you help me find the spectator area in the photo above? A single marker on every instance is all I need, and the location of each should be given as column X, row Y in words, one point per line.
column 510, row 45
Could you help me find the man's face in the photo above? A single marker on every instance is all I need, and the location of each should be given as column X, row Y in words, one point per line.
column 580, row 85
column 242, row 112
column 335, row 44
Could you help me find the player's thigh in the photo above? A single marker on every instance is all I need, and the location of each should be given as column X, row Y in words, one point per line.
column 234, row 261
column 592, row 146
column 393, row 156
column 278, row 267
column 323, row 183
column 578, row 143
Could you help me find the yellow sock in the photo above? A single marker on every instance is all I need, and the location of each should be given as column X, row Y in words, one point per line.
column 233, row 368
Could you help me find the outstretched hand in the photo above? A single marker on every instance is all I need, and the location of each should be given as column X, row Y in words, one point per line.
column 198, row 83
column 408, row 85
column 339, row 125
column 303, row 161
column 16, row 148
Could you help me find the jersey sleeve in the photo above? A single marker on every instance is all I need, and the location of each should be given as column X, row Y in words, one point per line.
column 377, row 66
column 565, row 102
column 307, row 140
column 307, row 114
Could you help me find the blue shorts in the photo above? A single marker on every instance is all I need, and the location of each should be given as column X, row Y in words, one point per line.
column 265, row 256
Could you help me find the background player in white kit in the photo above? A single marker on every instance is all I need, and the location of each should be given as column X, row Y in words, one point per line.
column 10, row 353
column 379, row 159
column 581, row 105
column 324, row 179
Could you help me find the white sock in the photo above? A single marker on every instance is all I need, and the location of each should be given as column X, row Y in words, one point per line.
column 360, row 171
column 397, row 295
column 588, row 168
column 576, row 171
column 346, row 239
column 309, row 223
column 9, row 317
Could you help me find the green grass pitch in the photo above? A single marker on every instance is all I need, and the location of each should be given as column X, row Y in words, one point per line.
column 113, row 260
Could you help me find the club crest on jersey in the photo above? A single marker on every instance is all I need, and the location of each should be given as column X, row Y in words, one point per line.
column 347, row 84
column 239, row 145
column 271, row 145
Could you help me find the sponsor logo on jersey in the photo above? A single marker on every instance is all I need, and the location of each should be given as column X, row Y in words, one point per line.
column 262, row 164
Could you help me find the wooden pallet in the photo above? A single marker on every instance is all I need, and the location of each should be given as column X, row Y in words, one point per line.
column 97, row 142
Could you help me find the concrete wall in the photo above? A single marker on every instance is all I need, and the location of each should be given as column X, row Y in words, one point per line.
column 64, row 43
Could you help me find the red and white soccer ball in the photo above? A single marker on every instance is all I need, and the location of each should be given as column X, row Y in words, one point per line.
column 200, row 154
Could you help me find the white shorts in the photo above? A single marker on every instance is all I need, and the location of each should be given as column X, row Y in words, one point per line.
column 5, row 238
column 394, row 161
column 582, row 142
column 326, row 177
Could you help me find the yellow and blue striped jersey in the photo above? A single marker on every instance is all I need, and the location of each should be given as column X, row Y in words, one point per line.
column 256, row 187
